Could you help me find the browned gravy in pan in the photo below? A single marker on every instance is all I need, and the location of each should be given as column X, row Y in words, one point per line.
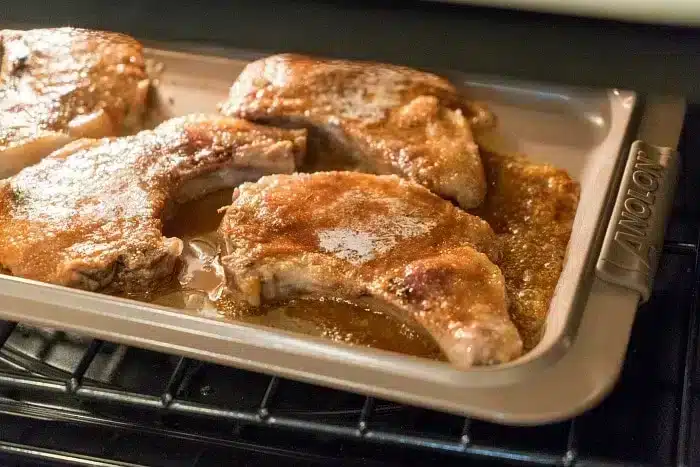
column 530, row 206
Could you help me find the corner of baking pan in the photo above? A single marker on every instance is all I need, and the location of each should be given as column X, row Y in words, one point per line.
column 627, row 255
column 545, row 354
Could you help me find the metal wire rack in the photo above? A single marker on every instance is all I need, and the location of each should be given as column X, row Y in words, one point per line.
column 146, row 408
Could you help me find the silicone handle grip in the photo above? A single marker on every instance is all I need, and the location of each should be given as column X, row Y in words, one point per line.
column 635, row 234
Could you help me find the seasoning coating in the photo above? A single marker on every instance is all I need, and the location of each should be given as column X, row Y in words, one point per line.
column 199, row 288
column 378, row 238
column 370, row 117
column 57, row 85
column 90, row 215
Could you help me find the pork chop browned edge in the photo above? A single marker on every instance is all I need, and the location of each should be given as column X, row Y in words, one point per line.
column 369, row 117
column 90, row 215
column 58, row 85
column 376, row 240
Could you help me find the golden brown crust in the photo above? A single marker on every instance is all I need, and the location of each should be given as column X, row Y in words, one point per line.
column 90, row 215
column 382, row 119
column 352, row 235
column 50, row 78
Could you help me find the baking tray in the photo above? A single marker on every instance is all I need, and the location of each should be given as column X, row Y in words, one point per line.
column 586, row 132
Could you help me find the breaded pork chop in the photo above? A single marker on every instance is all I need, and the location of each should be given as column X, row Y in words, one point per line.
column 369, row 117
column 381, row 241
column 90, row 215
column 57, row 85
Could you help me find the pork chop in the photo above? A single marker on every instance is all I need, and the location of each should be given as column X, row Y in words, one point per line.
column 57, row 85
column 90, row 215
column 379, row 241
column 369, row 117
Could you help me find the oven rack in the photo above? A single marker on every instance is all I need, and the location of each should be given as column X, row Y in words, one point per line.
column 650, row 419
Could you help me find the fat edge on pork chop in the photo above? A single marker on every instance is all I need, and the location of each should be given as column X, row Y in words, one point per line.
column 90, row 215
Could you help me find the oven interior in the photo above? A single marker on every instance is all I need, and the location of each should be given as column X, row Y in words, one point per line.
column 72, row 400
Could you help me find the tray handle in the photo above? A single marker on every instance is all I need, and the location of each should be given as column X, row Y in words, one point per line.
column 634, row 238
